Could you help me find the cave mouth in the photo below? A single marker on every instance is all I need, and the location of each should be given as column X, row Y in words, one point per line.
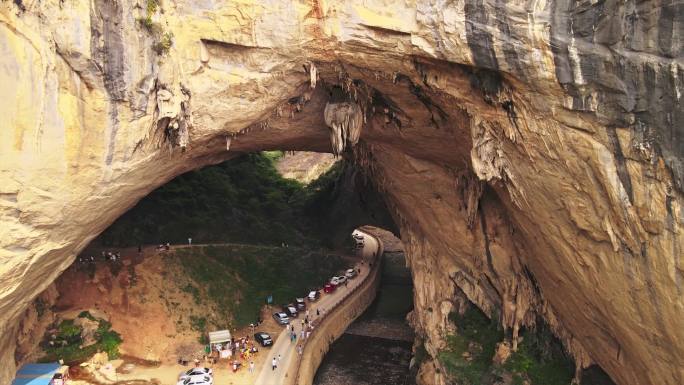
column 212, row 243
column 255, row 210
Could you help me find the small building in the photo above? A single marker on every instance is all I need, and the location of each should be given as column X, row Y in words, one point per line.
column 219, row 338
column 42, row 374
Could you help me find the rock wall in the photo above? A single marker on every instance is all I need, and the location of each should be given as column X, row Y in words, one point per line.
column 530, row 151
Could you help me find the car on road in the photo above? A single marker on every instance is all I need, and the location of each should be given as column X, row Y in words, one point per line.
column 350, row 273
column 300, row 303
column 263, row 338
column 314, row 295
column 201, row 379
column 195, row 372
column 358, row 236
column 281, row 318
column 329, row 288
column 290, row 310
column 338, row 280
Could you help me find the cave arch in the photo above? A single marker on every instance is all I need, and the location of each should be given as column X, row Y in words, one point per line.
column 582, row 161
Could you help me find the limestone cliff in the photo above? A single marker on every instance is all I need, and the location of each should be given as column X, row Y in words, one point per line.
column 530, row 152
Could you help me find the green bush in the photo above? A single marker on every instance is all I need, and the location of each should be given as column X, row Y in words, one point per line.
column 539, row 358
column 86, row 314
column 68, row 331
column 164, row 44
column 71, row 351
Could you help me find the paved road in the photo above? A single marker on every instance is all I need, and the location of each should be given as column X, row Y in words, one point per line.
column 285, row 348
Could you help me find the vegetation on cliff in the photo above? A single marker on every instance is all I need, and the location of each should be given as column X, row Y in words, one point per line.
column 66, row 341
column 540, row 359
column 244, row 200
column 238, row 278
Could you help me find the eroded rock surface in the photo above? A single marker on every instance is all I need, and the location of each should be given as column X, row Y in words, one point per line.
column 530, row 152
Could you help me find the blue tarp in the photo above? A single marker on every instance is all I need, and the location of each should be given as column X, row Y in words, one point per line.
column 36, row 374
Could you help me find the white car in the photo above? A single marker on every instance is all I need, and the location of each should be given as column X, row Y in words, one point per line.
column 314, row 295
column 195, row 372
column 350, row 273
column 281, row 318
column 338, row 280
column 201, row 379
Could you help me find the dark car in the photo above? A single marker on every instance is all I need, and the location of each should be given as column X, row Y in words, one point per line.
column 290, row 310
column 263, row 338
column 300, row 303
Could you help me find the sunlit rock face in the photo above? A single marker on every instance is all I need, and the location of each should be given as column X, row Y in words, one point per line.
column 530, row 152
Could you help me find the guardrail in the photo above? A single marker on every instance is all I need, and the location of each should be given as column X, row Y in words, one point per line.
column 374, row 267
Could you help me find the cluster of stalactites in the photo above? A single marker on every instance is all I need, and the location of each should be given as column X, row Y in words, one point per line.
column 173, row 106
column 345, row 120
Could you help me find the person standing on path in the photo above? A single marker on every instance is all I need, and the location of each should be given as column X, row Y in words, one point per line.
column 190, row 241
column 279, row 358
column 251, row 367
column 274, row 364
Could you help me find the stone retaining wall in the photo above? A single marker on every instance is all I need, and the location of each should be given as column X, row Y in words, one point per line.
column 335, row 323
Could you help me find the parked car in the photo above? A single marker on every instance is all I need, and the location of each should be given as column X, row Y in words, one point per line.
column 314, row 295
column 300, row 303
column 329, row 288
column 335, row 281
column 263, row 338
column 339, row 280
column 358, row 236
column 197, row 380
column 195, row 372
column 281, row 318
column 290, row 310
column 350, row 273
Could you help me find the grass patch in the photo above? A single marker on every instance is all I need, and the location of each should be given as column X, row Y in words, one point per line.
column 238, row 278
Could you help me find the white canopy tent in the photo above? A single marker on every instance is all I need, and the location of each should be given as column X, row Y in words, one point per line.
column 219, row 337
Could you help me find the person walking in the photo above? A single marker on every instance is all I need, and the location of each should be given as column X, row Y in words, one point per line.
column 274, row 364
column 190, row 241
column 279, row 358
column 251, row 367
column 318, row 312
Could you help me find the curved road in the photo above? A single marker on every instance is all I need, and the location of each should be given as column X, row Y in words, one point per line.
column 286, row 349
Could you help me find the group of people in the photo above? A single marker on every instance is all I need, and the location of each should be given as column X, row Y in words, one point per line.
column 106, row 256
column 236, row 350
column 305, row 331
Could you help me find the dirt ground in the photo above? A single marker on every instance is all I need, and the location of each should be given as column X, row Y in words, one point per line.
column 167, row 372
column 146, row 305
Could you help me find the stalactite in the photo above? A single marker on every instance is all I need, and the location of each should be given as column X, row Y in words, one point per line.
column 173, row 114
column 313, row 75
column 345, row 120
